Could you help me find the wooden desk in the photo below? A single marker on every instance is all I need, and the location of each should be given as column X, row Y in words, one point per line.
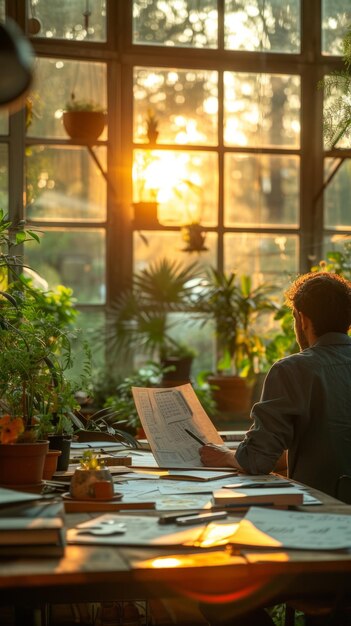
column 250, row 578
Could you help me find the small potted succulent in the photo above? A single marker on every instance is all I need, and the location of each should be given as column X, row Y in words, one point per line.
column 152, row 131
column 84, row 120
column 92, row 480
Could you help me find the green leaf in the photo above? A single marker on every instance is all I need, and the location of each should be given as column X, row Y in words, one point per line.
column 20, row 237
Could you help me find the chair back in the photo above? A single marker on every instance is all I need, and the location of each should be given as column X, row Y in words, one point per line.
column 343, row 489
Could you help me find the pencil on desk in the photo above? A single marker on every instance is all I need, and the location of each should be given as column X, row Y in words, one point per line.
column 202, row 443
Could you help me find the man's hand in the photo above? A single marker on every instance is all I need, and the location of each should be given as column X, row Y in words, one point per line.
column 213, row 455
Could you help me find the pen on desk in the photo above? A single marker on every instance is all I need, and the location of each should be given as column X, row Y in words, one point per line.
column 202, row 443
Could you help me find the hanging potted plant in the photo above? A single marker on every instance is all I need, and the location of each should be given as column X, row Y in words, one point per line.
column 194, row 237
column 84, row 120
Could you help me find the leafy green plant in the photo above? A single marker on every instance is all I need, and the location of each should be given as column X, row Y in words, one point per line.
column 12, row 237
column 337, row 91
column 235, row 306
column 141, row 318
column 36, row 346
column 338, row 261
column 34, row 355
column 122, row 402
column 91, row 461
column 83, row 105
column 284, row 341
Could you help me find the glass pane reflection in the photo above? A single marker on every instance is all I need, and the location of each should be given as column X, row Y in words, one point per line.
column 4, row 177
column 261, row 109
column 64, row 184
column 152, row 246
column 337, row 213
column 4, row 122
column 67, row 19
column 266, row 257
column 183, row 183
column 75, row 259
column 335, row 22
column 261, row 190
column 184, row 102
column 263, row 25
column 188, row 23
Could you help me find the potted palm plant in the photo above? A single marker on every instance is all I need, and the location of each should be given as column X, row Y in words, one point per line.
column 143, row 317
column 235, row 306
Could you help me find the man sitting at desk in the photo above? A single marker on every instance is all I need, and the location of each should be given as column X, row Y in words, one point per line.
column 305, row 407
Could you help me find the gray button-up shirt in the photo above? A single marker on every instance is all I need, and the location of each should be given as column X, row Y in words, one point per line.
column 305, row 408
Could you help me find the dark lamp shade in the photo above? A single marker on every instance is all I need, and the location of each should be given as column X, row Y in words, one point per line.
column 16, row 62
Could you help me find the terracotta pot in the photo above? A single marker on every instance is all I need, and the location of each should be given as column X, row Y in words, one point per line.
column 84, row 126
column 233, row 393
column 22, row 464
column 146, row 215
column 50, row 463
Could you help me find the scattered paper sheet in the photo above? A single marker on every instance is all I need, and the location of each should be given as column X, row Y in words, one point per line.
column 165, row 413
column 269, row 528
column 112, row 529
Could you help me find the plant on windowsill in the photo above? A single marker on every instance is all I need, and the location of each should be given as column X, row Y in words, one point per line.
column 152, row 131
column 235, row 307
column 84, row 120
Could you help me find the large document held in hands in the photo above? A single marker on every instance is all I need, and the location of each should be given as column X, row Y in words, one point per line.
column 166, row 415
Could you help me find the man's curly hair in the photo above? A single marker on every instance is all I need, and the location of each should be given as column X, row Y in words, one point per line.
column 325, row 298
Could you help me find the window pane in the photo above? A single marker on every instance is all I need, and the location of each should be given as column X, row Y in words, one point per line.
column 159, row 245
column 65, row 184
column 180, row 23
column 55, row 81
column 75, row 259
column 4, row 178
column 271, row 258
column 337, row 195
column 183, row 183
column 68, row 19
column 336, row 243
column 264, row 25
column 261, row 190
column 2, row 10
column 4, row 122
column 336, row 111
column 184, row 103
column 336, row 18
column 90, row 325
column 261, row 109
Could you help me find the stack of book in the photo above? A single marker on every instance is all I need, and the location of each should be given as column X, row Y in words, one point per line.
column 30, row 527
